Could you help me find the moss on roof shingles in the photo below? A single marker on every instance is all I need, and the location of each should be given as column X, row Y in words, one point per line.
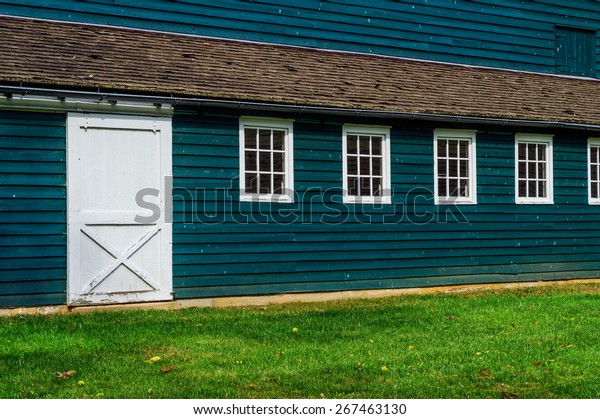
column 68, row 55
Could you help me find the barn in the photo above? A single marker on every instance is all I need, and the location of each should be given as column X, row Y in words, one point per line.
column 140, row 165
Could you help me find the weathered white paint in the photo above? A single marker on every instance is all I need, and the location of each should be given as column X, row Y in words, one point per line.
column 31, row 102
column 111, row 257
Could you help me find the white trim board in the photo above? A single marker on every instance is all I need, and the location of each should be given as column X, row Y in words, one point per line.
column 386, row 185
column 451, row 134
column 68, row 104
column 546, row 139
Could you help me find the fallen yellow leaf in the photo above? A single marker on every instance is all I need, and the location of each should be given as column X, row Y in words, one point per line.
column 153, row 359
column 65, row 375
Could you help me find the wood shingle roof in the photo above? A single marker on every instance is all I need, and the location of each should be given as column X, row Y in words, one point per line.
column 76, row 56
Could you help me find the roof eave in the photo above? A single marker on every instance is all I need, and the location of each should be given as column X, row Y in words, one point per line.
column 173, row 99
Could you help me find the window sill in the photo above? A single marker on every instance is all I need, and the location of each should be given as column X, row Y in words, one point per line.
column 534, row 202
column 369, row 200
column 455, row 202
column 279, row 199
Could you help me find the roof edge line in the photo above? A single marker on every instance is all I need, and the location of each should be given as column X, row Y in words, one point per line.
column 101, row 96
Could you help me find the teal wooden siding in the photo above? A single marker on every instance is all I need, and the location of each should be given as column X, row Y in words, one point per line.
column 224, row 247
column 575, row 52
column 514, row 34
column 32, row 209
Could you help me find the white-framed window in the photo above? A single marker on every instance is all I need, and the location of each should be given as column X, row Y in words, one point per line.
column 533, row 169
column 594, row 171
column 455, row 167
column 366, row 166
column 266, row 159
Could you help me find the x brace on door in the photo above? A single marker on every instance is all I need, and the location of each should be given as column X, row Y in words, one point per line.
column 121, row 258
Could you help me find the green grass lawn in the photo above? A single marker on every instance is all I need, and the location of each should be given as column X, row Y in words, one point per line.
column 529, row 343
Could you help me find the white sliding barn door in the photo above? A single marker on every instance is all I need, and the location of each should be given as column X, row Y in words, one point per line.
column 114, row 257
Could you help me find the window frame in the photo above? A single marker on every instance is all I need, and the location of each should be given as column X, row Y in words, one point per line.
column 546, row 139
column 386, row 172
column 273, row 124
column 455, row 134
column 592, row 142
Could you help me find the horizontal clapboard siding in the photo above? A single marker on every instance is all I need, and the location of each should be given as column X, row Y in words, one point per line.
column 226, row 247
column 513, row 34
column 32, row 209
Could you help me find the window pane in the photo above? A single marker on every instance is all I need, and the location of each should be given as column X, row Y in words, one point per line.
column 594, row 172
column 376, row 166
column 532, row 172
column 250, row 160
column 594, row 154
column 265, row 161
column 594, row 191
column 464, row 187
column 522, row 151
column 522, row 170
column 365, row 144
column 351, row 142
column 464, row 149
column 376, row 144
column 542, row 189
column 365, row 166
column 464, row 168
column 532, row 188
column 442, row 148
column 452, row 168
column 278, row 140
column 353, row 186
column 531, row 151
column 365, row 186
column 278, row 185
column 442, row 190
column 522, row 189
column 250, row 137
column 453, row 187
column 541, row 151
column 452, row 148
column 352, row 165
column 541, row 171
column 278, row 162
column 265, row 183
column 264, row 139
column 377, row 185
column 251, row 183
column 442, row 166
